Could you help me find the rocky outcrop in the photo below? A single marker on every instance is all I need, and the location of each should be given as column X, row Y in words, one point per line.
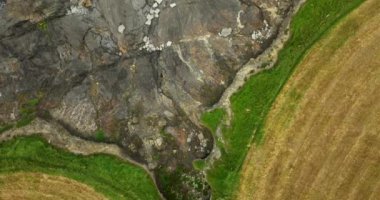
column 138, row 71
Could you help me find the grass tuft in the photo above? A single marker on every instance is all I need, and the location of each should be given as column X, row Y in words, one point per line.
column 213, row 118
column 42, row 26
column 100, row 135
column 199, row 164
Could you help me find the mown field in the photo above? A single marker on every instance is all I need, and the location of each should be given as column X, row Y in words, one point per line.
column 322, row 135
column 42, row 186
column 251, row 104
column 109, row 176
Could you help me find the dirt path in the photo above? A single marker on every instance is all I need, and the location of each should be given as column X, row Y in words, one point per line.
column 41, row 186
column 59, row 137
column 322, row 138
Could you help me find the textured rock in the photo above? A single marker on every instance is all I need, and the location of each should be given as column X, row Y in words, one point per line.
column 141, row 71
column 77, row 110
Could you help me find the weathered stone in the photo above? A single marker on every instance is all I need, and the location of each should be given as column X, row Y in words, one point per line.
column 77, row 111
column 99, row 65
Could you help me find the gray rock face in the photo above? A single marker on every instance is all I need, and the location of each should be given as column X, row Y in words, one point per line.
column 140, row 70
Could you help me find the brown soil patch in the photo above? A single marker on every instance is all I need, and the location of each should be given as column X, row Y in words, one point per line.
column 30, row 186
column 322, row 138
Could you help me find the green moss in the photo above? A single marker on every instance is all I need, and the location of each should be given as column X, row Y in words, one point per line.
column 199, row 164
column 28, row 112
column 107, row 174
column 100, row 135
column 171, row 183
column 251, row 104
column 42, row 25
column 5, row 127
column 213, row 118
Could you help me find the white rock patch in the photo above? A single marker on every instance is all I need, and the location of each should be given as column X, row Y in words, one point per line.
column 262, row 34
column 79, row 9
column 225, row 32
column 154, row 12
column 149, row 18
column 172, row 5
column 121, row 28
column 240, row 25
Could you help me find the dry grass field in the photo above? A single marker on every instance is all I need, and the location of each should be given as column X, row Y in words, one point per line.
column 31, row 168
column 322, row 136
column 37, row 186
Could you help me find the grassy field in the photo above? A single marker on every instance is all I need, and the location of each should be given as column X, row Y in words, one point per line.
column 213, row 118
column 322, row 135
column 108, row 175
column 252, row 103
column 41, row 186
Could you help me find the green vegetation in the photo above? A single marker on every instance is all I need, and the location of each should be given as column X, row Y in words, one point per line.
column 100, row 135
column 27, row 114
column 171, row 182
column 199, row 164
column 213, row 118
column 252, row 103
column 42, row 25
column 5, row 127
column 114, row 178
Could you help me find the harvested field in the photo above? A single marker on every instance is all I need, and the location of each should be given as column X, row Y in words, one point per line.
column 42, row 186
column 251, row 104
column 322, row 136
column 109, row 176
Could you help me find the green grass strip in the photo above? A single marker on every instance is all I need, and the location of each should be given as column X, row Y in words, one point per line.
column 251, row 104
column 114, row 178
column 213, row 118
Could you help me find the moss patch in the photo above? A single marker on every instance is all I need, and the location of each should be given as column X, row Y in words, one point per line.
column 213, row 118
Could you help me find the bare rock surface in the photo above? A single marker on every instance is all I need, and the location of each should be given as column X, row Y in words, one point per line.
column 138, row 71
